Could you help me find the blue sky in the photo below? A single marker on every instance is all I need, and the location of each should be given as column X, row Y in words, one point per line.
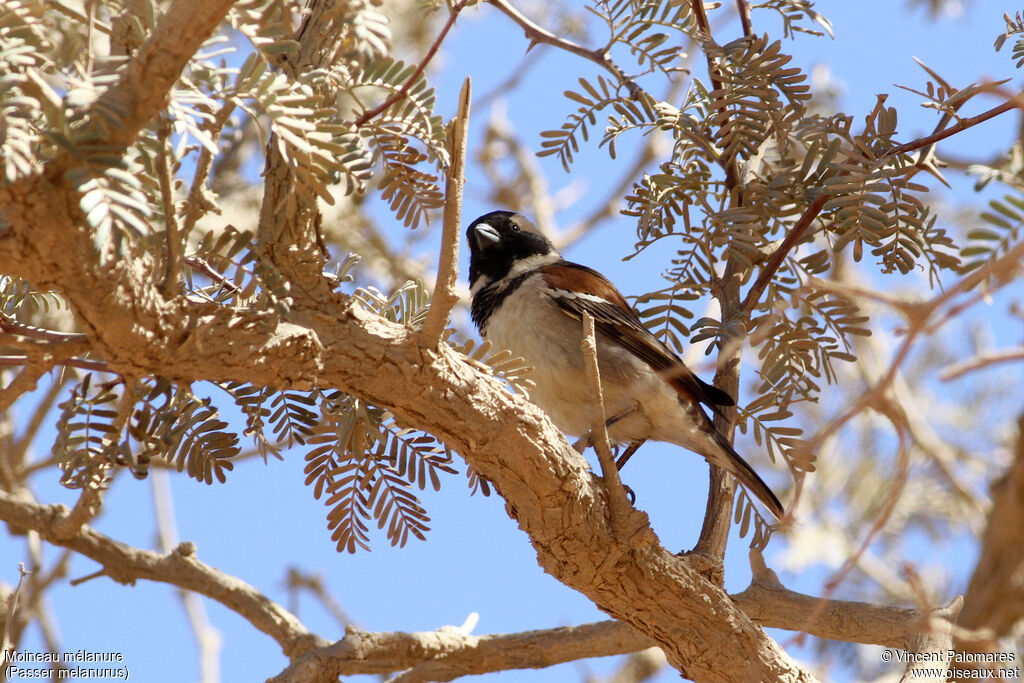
column 475, row 559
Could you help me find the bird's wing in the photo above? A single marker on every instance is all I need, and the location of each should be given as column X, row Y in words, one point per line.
column 617, row 321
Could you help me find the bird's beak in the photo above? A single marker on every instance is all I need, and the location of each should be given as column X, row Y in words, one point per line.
column 485, row 236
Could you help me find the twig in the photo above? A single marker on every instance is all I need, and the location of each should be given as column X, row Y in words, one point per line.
column 445, row 297
column 25, row 380
column 17, row 453
column 899, row 479
column 208, row 638
column 12, row 609
column 744, row 11
column 980, row 361
column 609, row 208
column 617, row 501
column 537, row 34
column 797, row 233
column 88, row 577
column 512, row 81
column 728, row 164
column 10, row 326
column 962, row 125
column 297, row 579
column 401, row 92
column 775, row 260
column 78, row 16
column 195, row 201
column 56, row 349
column 81, row 363
column 501, row 145
column 165, row 174
column 200, row 264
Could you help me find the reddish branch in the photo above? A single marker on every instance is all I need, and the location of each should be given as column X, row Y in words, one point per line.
column 963, row 124
column 82, row 363
column 775, row 260
column 539, row 35
column 404, row 90
column 744, row 11
column 801, row 227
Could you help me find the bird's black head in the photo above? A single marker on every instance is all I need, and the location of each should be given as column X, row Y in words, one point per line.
column 500, row 239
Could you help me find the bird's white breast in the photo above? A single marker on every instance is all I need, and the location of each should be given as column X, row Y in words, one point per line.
column 531, row 325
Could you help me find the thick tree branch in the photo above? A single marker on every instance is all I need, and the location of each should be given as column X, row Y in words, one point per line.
column 448, row 653
column 180, row 567
column 556, row 499
column 995, row 596
column 771, row 604
column 143, row 89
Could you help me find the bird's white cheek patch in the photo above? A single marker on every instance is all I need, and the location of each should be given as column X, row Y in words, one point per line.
column 479, row 284
column 531, row 263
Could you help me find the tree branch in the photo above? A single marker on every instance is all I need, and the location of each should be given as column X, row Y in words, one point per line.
column 208, row 638
column 180, row 567
column 445, row 297
column 961, row 125
column 82, row 363
column 420, row 68
column 538, row 34
column 799, row 230
column 995, row 594
column 142, row 91
column 772, row 605
column 13, row 327
column 617, row 502
column 448, row 653
column 980, row 361
column 792, row 238
column 557, row 500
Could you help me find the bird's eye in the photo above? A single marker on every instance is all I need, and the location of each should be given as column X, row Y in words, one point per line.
column 515, row 228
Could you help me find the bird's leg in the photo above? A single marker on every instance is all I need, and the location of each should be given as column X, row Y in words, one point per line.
column 615, row 418
column 581, row 444
column 627, row 454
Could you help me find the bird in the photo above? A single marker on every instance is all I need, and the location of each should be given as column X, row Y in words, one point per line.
column 529, row 300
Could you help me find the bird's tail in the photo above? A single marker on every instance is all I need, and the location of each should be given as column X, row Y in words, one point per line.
column 748, row 478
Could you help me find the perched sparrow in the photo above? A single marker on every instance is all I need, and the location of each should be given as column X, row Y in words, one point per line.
column 529, row 300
